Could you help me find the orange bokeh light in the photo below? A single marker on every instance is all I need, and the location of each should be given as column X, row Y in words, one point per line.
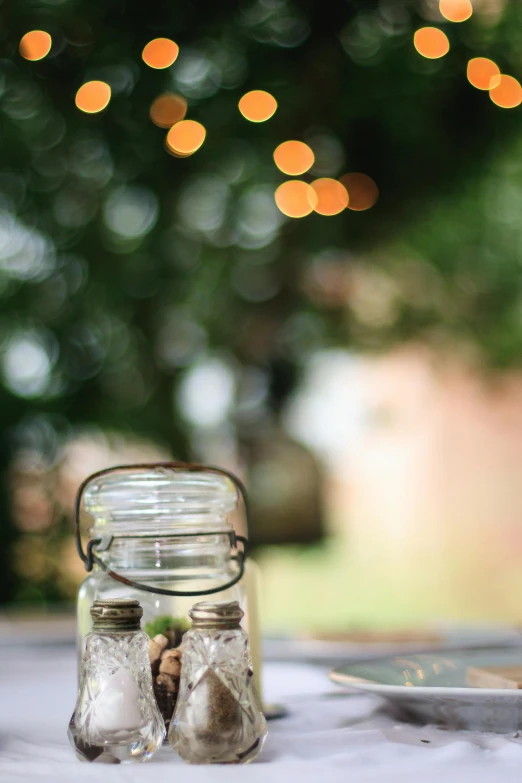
column 185, row 137
column 507, row 93
column 257, row 106
column 93, row 97
column 296, row 198
column 293, row 157
column 483, row 74
column 332, row 196
column 160, row 53
column 362, row 191
column 456, row 10
column 35, row 45
column 431, row 42
column 173, row 152
column 168, row 109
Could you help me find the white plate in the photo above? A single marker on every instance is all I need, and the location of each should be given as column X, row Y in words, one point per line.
column 432, row 688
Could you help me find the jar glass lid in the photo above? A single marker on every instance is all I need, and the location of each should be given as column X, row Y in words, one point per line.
column 160, row 500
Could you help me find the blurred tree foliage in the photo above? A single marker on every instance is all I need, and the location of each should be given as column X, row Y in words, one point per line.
column 121, row 265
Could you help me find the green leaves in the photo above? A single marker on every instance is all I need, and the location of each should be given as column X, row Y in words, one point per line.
column 166, row 624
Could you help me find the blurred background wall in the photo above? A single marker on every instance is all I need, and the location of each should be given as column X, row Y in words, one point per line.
column 345, row 332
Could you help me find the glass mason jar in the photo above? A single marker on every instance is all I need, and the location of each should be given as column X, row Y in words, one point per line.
column 160, row 534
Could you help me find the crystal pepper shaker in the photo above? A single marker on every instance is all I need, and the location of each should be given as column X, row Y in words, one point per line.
column 218, row 717
column 116, row 719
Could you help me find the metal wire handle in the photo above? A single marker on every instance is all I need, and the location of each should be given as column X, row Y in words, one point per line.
column 90, row 558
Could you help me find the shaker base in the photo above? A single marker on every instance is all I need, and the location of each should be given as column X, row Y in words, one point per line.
column 134, row 749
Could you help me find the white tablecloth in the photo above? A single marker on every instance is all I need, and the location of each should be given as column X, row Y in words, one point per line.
column 328, row 736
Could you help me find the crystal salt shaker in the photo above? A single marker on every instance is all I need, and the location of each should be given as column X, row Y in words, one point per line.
column 116, row 719
column 218, row 717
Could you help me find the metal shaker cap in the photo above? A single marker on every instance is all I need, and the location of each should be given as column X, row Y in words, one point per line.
column 213, row 614
column 120, row 614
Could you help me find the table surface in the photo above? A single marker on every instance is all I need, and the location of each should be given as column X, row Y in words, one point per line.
column 328, row 735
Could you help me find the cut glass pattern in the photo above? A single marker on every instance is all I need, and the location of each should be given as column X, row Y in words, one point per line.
column 116, row 718
column 218, row 717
